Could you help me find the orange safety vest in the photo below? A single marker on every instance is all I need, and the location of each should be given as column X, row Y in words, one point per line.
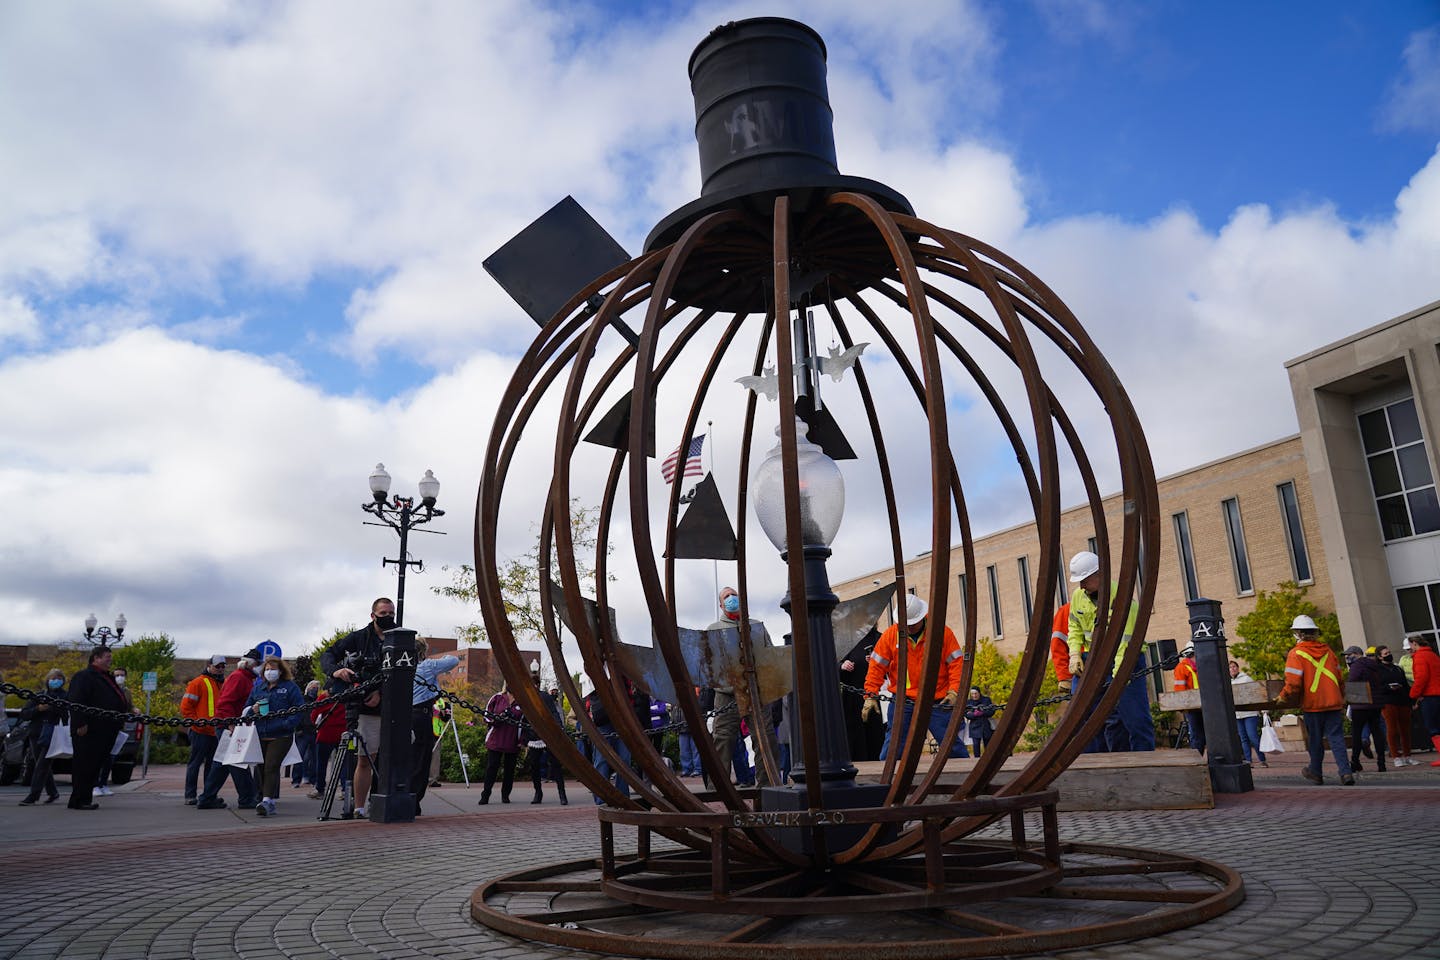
column 1186, row 676
column 1313, row 672
column 1060, row 644
column 883, row 664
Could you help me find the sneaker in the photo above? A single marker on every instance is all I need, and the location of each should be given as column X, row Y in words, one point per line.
column 28, row 802
column 360, row 813
column 189, row 801
column 313, row 795
column 216, row 804
column 1312, row 776
column 1264, row 764
column 262, row 809
column 104, row 792
column 1348, row 779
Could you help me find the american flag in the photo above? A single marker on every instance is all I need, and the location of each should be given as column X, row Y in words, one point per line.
column 693, row 467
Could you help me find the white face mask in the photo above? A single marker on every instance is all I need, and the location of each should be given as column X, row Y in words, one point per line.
column 120, row 679
column 257, row 670
column 272, row 675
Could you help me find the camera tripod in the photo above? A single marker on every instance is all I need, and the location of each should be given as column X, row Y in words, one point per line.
column 341, row 776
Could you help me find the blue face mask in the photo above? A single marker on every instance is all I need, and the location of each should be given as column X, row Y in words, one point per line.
column 732, row 604
column 55, row 684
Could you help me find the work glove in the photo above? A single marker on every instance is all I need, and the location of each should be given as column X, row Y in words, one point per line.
column 870, row 709
column 951, row 698
column 1077, row 664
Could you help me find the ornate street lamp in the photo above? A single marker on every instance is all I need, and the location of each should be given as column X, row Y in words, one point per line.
column 103, row 637
column 818, row 510
column 401, row 515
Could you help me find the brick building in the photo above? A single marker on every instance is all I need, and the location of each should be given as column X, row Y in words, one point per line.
column 1228, row 528
column 477, row 664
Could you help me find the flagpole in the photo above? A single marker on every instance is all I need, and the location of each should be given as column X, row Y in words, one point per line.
column 714, row 564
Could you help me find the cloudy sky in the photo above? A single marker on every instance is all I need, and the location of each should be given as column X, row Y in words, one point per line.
column 240, row 248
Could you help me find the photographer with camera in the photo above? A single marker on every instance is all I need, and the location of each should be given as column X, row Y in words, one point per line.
column 353, row 659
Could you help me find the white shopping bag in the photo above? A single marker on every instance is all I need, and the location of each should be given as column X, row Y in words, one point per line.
column 1269, row 739
column 244, row 748
column 292, row 756
column 120, row 739
column 60, row 745
column 222, row 745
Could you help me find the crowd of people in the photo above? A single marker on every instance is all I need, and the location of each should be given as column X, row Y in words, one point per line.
column 300, row 729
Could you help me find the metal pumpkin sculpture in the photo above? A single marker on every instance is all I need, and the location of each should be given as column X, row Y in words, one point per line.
column 826, row 865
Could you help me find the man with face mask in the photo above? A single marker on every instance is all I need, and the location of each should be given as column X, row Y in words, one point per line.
column 355, row 658
column 199, row 702
column 233, row 694
column 726, row 735
column 884, row 666
column 1129, row 725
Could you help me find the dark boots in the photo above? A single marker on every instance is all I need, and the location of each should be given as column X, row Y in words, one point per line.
column 537, row 796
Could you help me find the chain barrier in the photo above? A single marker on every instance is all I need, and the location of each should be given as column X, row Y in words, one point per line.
column 575, row 733
column 355, row 692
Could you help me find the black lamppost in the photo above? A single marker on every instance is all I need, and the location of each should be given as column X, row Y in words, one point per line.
column 822, row 505
column 103, row 637
column 400, row 514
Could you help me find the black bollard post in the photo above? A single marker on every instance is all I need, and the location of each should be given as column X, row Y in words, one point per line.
column 391, row 801
column 1228, row 773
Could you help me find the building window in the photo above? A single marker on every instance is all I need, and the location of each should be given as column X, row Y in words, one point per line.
column 1239, row 557
column 1294, row 533
column 1062, row 576
column 1187, row 556
column 1399, row 471
column 1027, row 600
column 964, row 610
column 1420, row 609
column 1092, row 545
column 994, row 578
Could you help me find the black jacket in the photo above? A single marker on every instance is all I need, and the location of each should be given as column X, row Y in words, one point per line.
column 96, row 688
column 979, row 712
column 56, row 714
column 359, row 650
column 1394, row 688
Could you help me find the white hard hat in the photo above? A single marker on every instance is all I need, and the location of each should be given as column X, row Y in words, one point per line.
column 915, row 610
column 1082, row 565
column 1303, row 622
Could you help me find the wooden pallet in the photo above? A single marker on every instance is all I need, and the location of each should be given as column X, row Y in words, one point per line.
column 1157, row 780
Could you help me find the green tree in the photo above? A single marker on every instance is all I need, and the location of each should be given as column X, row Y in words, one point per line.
column 995, row 674
column 150, row 653
column 1265, row 636
column 312, row 656
column 521, row 582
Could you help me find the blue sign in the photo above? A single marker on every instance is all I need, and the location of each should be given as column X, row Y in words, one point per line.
column 269, row 649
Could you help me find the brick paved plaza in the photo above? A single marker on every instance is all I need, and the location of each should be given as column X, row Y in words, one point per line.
column 1330, row 871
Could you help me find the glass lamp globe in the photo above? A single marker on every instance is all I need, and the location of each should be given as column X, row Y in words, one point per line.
column 429, row 488
column 379, row 483
column 90, row 623
column 120, row 623
column 822, row 493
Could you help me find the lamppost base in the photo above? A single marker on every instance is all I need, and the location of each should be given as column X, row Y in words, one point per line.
column 834, row 795
column 399, row 808
column 1231, row 777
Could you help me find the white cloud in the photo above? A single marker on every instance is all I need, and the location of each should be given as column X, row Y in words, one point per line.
column 18, row 321
column 1413, row 101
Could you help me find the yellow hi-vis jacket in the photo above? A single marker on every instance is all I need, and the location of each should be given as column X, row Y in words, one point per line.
column 1082, row 624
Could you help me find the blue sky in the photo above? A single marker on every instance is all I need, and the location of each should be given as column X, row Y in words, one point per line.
column 240, row 243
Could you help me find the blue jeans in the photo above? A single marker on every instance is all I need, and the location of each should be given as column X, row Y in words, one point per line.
column 689, row 756
column 1249, row 738
column 1326, row 726
column 939, row 720
column 1130, row 726
column 602, row 765
column 740, row 760
column 202, row 751
column 1195, row 720
column 246, row 794
column 1097, row 742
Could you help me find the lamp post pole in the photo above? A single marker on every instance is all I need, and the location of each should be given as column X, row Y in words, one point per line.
column 401, row 515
